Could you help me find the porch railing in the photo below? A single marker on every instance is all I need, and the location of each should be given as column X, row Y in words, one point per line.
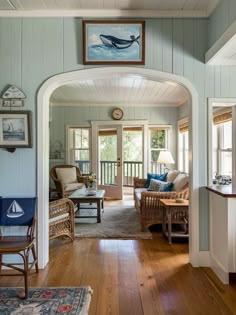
column 84, row 166
column 155, row 168
column 131, row 170
column 108, row 171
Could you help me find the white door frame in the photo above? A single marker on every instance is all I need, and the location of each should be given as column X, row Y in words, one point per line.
column 44, row 94
column 111, row 191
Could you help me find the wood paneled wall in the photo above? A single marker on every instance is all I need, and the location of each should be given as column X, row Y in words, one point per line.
column 34, row 49
column 221, row 19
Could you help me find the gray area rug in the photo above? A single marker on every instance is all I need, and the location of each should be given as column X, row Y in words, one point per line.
column 119, row 222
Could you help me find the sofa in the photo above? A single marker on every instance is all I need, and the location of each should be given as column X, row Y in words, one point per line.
column 147, row 202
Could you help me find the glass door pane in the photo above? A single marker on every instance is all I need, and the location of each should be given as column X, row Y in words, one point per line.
column 133, row 154
column 109, row 160
column 107, row 147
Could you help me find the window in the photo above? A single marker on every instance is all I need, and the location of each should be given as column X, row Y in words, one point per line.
column 222, row 142
column 183, row 148
column 80, row 148
column 158, row 140
column 222, row 148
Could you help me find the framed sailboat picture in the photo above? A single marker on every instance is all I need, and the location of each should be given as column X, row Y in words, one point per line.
column 114, row 42
column 15, row 129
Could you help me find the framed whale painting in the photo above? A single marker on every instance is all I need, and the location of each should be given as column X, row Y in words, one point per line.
column 113, row 42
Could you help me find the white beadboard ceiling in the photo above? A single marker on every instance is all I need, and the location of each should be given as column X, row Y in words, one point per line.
column 120, row 91
column 106, row 8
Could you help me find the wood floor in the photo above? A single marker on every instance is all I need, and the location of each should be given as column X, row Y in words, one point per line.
column 135, row 277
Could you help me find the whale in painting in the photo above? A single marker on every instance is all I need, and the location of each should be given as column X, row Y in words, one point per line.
column 118, row 43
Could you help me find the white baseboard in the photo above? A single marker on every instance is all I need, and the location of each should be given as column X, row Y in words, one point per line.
column 204, row 259
column 219, row 270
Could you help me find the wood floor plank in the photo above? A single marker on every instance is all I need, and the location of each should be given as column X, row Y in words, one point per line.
column 179, row 283
column 108, row 298
column 130, row 301
column 147, row 285
column 226, row 291
column 92, row 272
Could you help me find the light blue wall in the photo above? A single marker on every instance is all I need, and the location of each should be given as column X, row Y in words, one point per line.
column 184, row 111
column 33, row 49
column 221, row 19
column 81, row 116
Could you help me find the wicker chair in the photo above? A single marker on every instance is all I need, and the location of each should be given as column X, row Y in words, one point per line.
column 61, row 218
column 15, row 245
column 147, row 203
column 62, row 190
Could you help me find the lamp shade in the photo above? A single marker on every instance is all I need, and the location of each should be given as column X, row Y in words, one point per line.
column 165, row 157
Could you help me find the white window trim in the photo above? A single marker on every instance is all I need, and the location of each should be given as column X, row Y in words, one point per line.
column 69, row 145
column 221, row 102
column 180, row 122
column 168, row 140
column 220, row 136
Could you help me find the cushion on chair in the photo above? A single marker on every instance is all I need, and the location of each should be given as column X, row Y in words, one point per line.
column 58, row 218
column 171, row 175
column 138, row 192
column 67, row 175
column 73, row 186
column 157, row 185
column 180, row 181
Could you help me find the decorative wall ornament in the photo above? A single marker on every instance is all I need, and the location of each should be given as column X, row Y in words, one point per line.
column 12, row 97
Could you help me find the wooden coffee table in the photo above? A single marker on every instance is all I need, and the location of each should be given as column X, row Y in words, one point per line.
column 80, row 196
column 174, row 212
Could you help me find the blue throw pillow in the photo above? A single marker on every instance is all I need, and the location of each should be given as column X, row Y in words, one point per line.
column 168, row 186
column 150, row 176
column 158, row 185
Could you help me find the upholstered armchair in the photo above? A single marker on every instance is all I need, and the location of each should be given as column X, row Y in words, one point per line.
column 67, row 178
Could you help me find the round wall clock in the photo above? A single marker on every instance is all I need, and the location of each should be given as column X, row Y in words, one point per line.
column 117, row 113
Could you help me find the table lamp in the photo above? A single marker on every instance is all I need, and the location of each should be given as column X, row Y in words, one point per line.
column 165, row 157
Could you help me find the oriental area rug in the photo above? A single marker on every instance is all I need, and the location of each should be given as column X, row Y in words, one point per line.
column 42, row 301
column 117, row 222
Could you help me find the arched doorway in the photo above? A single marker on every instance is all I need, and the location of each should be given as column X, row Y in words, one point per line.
column 43, row 148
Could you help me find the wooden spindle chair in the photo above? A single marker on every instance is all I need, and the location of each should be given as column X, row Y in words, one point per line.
column 15, row 212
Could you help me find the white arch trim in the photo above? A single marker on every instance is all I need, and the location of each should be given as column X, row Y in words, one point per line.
column 43, row 148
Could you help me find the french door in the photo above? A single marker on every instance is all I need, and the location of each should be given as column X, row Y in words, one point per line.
column 110, row 160
column 108, row 156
